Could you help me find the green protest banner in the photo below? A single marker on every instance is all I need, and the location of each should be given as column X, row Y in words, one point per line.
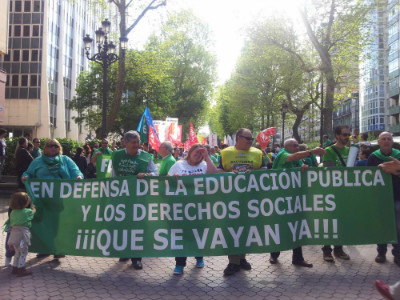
column 216, row 214
column 103, row 166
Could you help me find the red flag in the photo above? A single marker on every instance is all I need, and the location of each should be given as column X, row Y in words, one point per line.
column 204, row 141
column 192, row 136
column 153, row 139
column 270, row 131
column 179, row 136
column 263, row 139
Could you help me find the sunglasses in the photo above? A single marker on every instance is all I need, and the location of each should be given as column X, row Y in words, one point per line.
column 53, row 146
column 247, row 138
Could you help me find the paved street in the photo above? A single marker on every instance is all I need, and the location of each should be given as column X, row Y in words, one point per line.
column 106, row 278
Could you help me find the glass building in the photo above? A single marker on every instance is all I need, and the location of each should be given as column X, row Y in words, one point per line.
column 46, row 54
column 373, row 76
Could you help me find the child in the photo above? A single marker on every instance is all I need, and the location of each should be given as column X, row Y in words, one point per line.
column 20, row 236
column 364, row 154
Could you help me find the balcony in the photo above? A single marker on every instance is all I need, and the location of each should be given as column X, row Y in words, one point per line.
column 393, row 92
column 394, row 128
column 394, row 110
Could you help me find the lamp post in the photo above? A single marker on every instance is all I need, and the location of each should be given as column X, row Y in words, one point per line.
column 284, row 111
column 105, row 57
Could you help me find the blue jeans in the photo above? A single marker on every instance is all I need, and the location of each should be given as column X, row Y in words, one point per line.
column 382, row 248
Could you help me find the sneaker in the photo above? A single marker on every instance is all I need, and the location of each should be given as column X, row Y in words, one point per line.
column 380, row 258
column 341, row 254
column 231, row 269
column 123, row 259
column 178, row 270
column 383, row 289
column 328, row 256
column 199, row 263
column 245, row 265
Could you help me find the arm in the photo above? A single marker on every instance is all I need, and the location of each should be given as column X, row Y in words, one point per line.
column 303, row 154
column 72, row 168
column 391, row 167
column 93, row 159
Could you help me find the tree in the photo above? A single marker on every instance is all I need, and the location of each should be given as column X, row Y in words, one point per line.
column 335, row 28
column 124, row 31
column 184, row 44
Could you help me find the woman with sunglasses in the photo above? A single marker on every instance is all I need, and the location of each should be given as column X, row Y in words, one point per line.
column 52, row 165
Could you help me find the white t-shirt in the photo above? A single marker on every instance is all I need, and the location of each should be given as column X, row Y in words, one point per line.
column 182, row 168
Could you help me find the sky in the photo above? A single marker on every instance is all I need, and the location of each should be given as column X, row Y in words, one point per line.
column 228, row 20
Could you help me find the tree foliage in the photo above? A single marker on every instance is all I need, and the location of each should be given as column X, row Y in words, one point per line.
column 173, row 76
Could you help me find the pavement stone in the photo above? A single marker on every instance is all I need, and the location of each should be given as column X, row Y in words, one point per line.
column 77, row 277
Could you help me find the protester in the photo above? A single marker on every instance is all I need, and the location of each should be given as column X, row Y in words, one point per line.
column 132, row 161
column 168, row 159
column 336, row 155
column 363, row 158
column 36, row 152
column 310, row 160
column 3, row 145
column 240, row 158
column 104, row 150
column 23, row 159
column 175, row 154
column 290, row 157
column 355, row 138
column 52, row 165
column 20, row 236
column 326, row 141
column 80, row 160
column 378, row 157
column 196, row 162
column 30, row 148
column 213, row 159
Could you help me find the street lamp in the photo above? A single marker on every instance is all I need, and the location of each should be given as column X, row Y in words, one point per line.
column 105, row 57
column 285, row 109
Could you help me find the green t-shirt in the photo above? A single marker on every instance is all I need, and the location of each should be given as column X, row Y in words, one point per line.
column 311, row 161
column 107, row 151
column 331, row 155
column 327, row 142
column 214, row 160
column 166, row 164
column 280, row 161
column 21, row 217
column 126, row 165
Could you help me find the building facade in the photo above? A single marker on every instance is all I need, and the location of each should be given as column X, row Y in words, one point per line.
column 348, row 113
column 374, row 73
column 45, row 57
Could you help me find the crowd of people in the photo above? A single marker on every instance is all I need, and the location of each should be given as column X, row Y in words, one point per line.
column 130, row 157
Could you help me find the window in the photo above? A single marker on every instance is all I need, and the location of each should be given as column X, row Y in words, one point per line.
column 27, row 30
column 16, row 55
column 14, row 80
column 394, row 65
column 35, row 30
column 25, row 55
column 35, row 55
column 24, row 80
column 27, row 6
column 36, row 6
column 17, row 30
column 393, row 29
column 34, row 80
column 18, row 6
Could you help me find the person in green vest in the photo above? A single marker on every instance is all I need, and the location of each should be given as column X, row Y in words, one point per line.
column 132, row 161
column 103, row 150
column 237, row 159
column 336, row 156
column 213, row 159
column 36, row 152
column 168, row 160
column 326, row 140
column 311, row 160
column 385, row 154
column 290, row 157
